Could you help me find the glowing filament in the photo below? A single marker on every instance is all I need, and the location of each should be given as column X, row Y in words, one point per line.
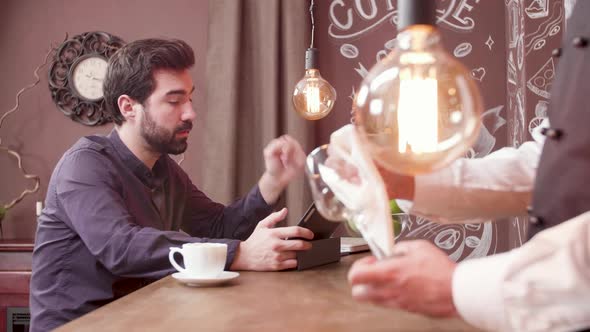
column 417, row 115
column 312, row 95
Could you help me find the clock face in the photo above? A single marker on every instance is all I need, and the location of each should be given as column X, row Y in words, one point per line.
column 87, row 77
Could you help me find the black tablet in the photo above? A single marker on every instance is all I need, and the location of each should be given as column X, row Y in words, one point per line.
column 321, row 227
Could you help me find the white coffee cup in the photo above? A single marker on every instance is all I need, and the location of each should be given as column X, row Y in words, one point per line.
column 201, row 260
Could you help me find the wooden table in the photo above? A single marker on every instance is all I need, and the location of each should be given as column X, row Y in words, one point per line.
column 313, row 300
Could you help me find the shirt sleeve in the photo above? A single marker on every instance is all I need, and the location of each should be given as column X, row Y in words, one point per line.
column 542, row 286
column 204, row 217
column 95, row 209
column 497, row 185
column 477, row 190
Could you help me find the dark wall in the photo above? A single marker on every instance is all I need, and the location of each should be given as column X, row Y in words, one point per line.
column 38, row 130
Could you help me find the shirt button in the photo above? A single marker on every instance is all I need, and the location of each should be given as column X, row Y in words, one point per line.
column 529, row 209
column 534, row 220
column 556, row 53
column 551, row 132
column 580, row 42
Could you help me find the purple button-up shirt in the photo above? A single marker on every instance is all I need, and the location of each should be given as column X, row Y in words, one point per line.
column 109, row 219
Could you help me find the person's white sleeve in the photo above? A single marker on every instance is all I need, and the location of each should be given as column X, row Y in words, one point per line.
column 477, row 190
column 497, row 185
column 542, row 286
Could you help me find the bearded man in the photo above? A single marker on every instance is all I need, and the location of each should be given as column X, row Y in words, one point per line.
column 116, row 203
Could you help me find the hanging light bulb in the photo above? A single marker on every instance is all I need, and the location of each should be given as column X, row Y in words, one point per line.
column 313, row 97
column 418, row 109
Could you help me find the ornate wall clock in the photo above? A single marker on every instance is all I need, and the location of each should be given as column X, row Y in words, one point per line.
column 76, row 75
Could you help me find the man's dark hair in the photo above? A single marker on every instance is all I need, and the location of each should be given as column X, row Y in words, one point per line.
column 130, row 70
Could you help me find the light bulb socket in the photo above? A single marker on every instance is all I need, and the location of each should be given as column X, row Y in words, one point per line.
column 414, row 12
column 311, row 58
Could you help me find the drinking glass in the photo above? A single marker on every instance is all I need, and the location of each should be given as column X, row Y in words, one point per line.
column 401, row 223
column 323, row 168
column 404, row 222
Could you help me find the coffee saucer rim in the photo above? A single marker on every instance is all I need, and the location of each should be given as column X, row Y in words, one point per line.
column 224, row 276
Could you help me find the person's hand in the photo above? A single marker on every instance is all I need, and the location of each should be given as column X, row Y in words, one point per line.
column 284, row 160
column 268, row 249
column 397, row 185
column 417, row 279
column 338, row 162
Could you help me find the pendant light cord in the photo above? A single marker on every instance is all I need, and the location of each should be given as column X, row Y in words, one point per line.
column 312, row 23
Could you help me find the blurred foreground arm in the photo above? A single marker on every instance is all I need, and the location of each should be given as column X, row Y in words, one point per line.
column 542, row 286
column 468, row 190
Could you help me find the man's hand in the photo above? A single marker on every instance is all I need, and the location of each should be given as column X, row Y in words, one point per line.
column 417, row 280
column 284, row 159
column 267, row 248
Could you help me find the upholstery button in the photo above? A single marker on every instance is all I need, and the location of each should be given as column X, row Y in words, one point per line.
column 551, row 132
column 534, row 220
column 556, row 53
column 580, row 42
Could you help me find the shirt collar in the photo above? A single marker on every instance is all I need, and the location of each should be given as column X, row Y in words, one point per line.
column 151, row 178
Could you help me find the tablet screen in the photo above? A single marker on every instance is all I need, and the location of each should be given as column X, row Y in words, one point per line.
column 321, row 227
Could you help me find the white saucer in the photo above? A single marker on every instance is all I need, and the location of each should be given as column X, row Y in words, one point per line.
column 224, row 277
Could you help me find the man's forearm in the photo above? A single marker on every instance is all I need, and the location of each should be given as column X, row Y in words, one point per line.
column 539, row 286
column 270, row 189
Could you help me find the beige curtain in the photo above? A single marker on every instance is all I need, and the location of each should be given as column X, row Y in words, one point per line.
column 255, row 57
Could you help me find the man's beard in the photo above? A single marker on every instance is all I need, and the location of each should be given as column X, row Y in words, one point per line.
column 162, row 140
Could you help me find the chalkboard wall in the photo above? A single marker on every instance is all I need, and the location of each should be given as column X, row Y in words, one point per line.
column 508, row 47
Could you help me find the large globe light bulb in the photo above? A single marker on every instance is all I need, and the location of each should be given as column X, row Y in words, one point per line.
column 418, row 109
column 313, row 97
